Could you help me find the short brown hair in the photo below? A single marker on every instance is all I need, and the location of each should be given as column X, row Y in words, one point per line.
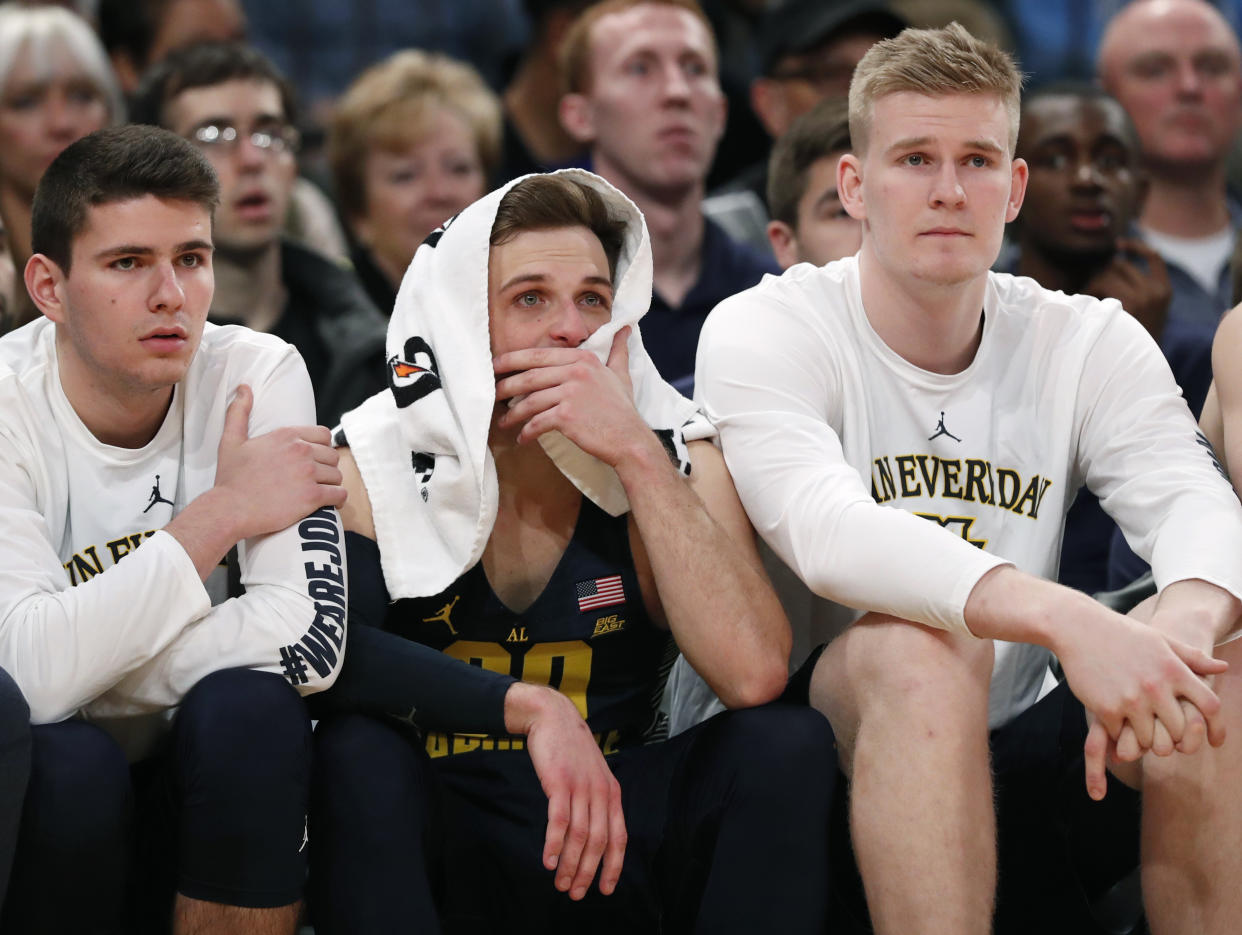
column 388, row 107
column 932, row 62
column 575, row 56
column 548, row 202
column 821, row 131
column 111, row 165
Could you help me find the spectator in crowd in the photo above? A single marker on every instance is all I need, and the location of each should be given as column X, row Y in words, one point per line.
column 412, row 142
column 139, row 33
column 138, row 446
column 1176, row 67
column 534, row 139
column 808, row 224
column 855, row 403
column 807, row 52
column 233, row 105
column 1085, row 192
column 643, row 95
column 547, row 753
column 55, row 87
column 1221, row 421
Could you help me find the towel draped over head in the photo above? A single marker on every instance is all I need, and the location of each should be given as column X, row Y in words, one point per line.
column 421, row 446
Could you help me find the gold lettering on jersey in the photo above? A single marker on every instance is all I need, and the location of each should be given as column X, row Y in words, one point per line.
column 610, row 624
column 959, row 524
column 517, row 635
column 86, row 564
column 972, row 480
column 442, row 615
column 438, row 744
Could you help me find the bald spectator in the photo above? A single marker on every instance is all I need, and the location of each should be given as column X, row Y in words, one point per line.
column 1176, row 67
column 808, row 224
column 643, row 94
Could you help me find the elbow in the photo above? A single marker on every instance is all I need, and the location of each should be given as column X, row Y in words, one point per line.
column 758, row 686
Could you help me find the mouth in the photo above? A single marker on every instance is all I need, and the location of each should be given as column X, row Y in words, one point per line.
column 946, row 232
column 1091, row 221
column 165, row 340
column 677, row 134
column 254, row 206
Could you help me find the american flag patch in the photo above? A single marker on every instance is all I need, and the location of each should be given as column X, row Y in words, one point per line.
column 600, row 592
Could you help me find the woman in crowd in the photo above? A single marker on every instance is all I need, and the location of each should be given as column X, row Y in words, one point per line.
column 414, row 140
column 56, row 86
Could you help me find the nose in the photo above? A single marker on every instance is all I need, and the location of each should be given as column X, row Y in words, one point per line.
column 60, row 116
column 1087, row 174
column 676, row 85
column 568, row 327
column 947, row 187
column 1189, row 81
column 166, row 292
column 248, row 155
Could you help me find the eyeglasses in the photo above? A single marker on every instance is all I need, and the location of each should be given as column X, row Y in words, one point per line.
column 225, row 138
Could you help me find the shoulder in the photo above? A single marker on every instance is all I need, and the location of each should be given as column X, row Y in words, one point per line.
column 242, row 349
column 25, row 356
column 802, row 296
column 1030, row 305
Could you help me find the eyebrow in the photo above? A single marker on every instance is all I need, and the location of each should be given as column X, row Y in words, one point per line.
column 541, row 278
column 914, row 142
column 136, row 250
column 222, row 119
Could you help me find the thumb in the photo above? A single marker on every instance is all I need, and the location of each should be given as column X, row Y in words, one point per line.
column 1200, row 663
column 619, row 356
column 237, row 417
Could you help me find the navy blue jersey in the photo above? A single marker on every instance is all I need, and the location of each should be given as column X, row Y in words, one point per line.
column 587, row 635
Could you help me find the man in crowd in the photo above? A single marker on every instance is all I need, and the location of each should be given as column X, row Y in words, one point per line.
column 906, row 429
column 808, row 223
column 140, row 445
column 1176, row 67
column 1085, row 190
column 230, row 102
column 643, row 94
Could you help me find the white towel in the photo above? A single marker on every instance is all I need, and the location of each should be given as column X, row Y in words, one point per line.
column 421, row 446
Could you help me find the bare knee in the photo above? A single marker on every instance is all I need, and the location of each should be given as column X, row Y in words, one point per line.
column 897, row 672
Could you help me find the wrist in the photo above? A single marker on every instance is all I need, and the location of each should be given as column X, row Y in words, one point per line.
column 524, row 703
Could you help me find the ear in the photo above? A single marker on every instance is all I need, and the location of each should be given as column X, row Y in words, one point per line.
column 767, row 100
column 849, row 186
column 44, row 281
column 1020, row 174
column 360, row 227
column 577, row 118
column 784, row 243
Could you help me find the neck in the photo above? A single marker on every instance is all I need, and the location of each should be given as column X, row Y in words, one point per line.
column 531, row 102
column 125, row 417
column 248, row 286
column 1067, row 272
column 675, row 222
column 1184, row 203
column 935, row 327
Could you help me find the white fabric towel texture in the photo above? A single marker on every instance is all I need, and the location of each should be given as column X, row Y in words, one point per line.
column 421, row 445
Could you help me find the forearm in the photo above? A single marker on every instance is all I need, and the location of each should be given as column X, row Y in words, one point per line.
column 1008, row 604
column 719, row 604
column 206, row 529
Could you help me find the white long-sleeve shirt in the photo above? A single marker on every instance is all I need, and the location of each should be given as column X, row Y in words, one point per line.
column 83, row 632
column 842, row 451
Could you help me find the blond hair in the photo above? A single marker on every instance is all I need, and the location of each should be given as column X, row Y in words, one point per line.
column 389, row 107
column 932, row 62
